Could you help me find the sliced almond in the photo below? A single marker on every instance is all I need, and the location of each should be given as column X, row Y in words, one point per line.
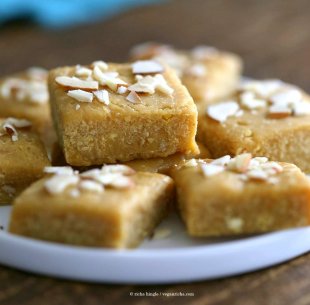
column 209, row 169
column 133, row 97
column 148, row 84
column 81, row 95
column 257, row 175
column 121, row 90
column 11, row 85
column 108, row 179
column 263, row 88
column 37, row 73
column 33, row 90
column 9, row 127
column 245, row 167
column 109, row 79
column 278, row 112
column 74, row 82
column 144, row 84
column 162, row 85
column 191, row 163
column 146, row 67
column 118, row 168
column 249, row 101
column 301, row 109
column 39, row 96
column 100, row 76
column 119, row 181
column 18, row 123
column 83, row 71
column 220, row 112
column 108, row 173
column 260, row 160
column 94, row 174
column 102, row 65
column 93, row 180
column 58, row 183
column 102, row 96
column 115, row 83
column 286, row 97
column 240, row 163
column 223, row 161
column 90, row 185
column 274, row 166
column 11, row 131
column 59, row 170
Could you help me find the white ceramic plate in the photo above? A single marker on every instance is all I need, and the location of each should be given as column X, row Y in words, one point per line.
column 176, row 258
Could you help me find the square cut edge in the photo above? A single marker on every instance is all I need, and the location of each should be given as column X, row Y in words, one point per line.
column 113, row 219
column 123, row 131
column 223, row 205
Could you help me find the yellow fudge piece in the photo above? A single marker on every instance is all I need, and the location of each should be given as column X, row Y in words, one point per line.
column 165, row 165
column 208, row 74
column 154, row 165
column 145, row 125
column 24, row 95
column 266, row 118
column 22, row 161
column 115, row 216
column 215, row 202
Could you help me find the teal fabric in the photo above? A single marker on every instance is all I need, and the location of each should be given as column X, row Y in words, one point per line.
column 61, row 13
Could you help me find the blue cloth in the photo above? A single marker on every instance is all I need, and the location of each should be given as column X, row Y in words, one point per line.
column 60, row 13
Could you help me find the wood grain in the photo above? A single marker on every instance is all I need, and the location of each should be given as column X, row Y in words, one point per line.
column 274, row 39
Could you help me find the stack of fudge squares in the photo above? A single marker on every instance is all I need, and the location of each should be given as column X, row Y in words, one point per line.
column 109, row 150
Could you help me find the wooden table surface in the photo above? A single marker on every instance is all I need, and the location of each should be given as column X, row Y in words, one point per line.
column 273, row 36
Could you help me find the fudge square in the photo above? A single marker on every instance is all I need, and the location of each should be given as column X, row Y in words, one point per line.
column 105, row 113
column 23, row 157
column 266, row 118
column 109, row 207
column 24, row 95
column 207, row 72
column 243, row 195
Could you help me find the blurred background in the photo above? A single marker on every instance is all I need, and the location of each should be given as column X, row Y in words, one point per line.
column 273, row 36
